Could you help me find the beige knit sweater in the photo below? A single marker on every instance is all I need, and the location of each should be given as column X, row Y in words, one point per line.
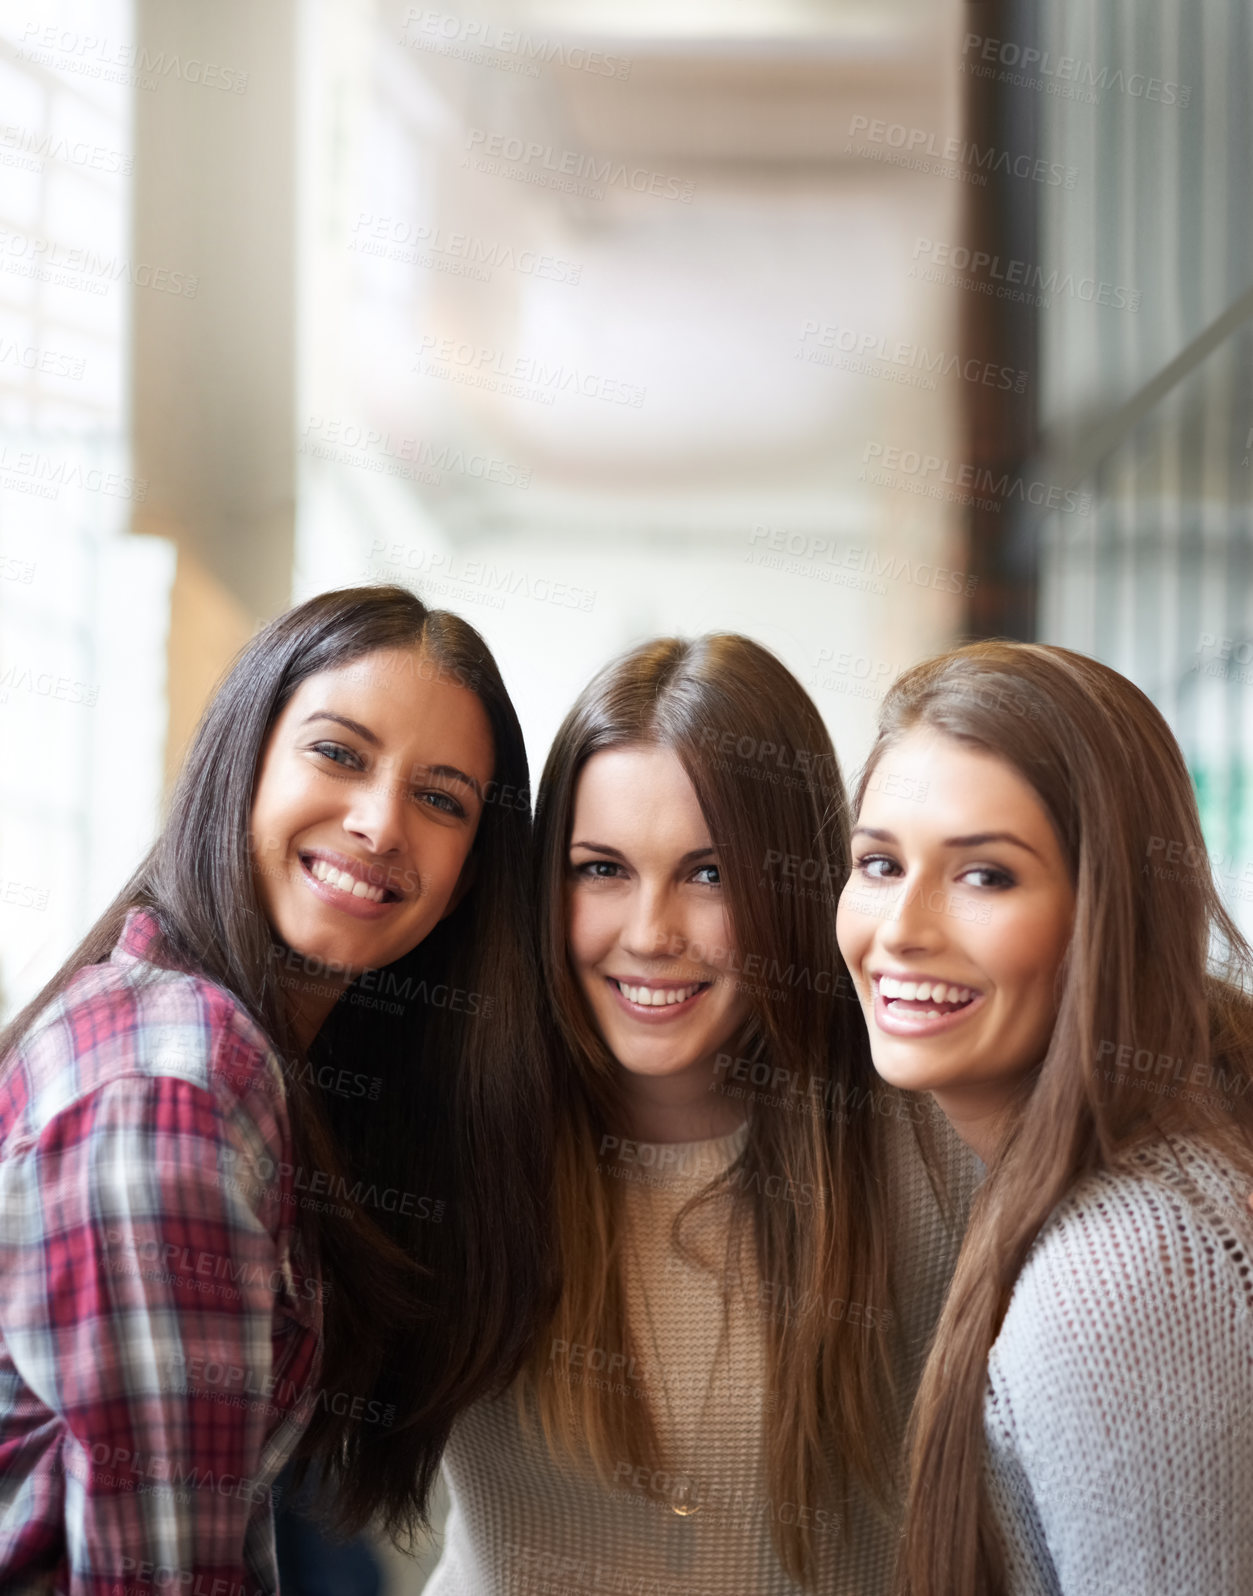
column 523, row 1523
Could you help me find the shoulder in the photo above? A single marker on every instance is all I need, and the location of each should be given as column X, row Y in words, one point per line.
column 1155, row 1257
column 135, row 1022
column 1118, row 1414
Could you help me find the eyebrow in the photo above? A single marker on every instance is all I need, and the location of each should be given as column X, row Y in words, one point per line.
column 976, row 839
column 374, row 741
column 454, row 774
column 616, row 853
column 363, row 732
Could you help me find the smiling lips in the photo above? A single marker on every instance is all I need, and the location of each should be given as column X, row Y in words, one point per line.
column 925, row 991
column 348, row 885
column 657, row 1000
column 917, row 1008
column 321, row 871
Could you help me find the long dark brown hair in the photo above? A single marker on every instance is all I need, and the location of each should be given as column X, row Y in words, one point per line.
column 765, row 775
column 1154, row 963
column 430, row 1302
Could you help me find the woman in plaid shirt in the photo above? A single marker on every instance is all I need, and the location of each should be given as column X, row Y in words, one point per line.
column 277, row 1124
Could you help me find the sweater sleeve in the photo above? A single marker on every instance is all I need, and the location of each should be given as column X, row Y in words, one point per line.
column 1120, row 1405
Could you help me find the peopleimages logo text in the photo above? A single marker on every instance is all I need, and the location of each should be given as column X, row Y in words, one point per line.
column 1070, row 69
column 436, row 29
column 1001, row 487
column 1025, row 274
column 979, row 159
column 530, row 154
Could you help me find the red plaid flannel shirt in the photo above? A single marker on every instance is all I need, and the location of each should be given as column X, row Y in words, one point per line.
column 159, row 1341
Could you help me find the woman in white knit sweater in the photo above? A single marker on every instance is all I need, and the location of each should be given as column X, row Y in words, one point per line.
column 753, row 1247
column 1040, row 946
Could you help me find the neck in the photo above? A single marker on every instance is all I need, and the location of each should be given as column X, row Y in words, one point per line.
column 686, row 1107
column 309, row 999
column 307, row 1022
column 980, row 1118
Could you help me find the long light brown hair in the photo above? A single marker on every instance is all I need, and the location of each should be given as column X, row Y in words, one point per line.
column 765, row 775
column 1154, row 963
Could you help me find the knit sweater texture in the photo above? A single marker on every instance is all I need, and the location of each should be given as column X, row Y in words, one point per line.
column 526, row 1523
column 1119, row 1408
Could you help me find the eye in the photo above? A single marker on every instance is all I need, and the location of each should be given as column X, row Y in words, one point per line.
column 437, row 798
column 598, row 870
column 877, row 866
column 712, row 874
column 338, row 755
column 994, row 877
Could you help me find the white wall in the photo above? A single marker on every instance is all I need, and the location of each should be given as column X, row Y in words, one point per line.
column 452, row 314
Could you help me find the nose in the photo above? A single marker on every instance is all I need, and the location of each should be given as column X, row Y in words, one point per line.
column 914, row 923
column 375, row 817
column 653, row 929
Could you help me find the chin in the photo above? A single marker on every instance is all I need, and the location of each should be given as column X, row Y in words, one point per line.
column 907, row 1074
column 315, row 944
column 652, row 1066
column 655, row 1067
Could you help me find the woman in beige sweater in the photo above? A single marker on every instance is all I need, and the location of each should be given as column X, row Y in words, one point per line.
column 755, row 1236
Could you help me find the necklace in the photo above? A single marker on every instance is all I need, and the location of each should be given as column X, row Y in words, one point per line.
column 685, row 1497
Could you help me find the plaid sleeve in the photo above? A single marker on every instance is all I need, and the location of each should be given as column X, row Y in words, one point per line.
column 145, row 1258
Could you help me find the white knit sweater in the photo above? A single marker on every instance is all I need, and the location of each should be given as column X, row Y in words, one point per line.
column 523, row 1523
column 1119, row 1413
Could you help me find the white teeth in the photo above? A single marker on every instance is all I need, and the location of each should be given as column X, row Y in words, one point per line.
column 924, row 991
column 322, row 871
column 657, row 997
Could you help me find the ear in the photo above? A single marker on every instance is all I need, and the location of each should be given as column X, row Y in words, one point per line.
column 465, row 881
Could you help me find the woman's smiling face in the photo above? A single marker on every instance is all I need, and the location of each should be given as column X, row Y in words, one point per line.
column 366, row 808
column 650, row 940
column 954, row 924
